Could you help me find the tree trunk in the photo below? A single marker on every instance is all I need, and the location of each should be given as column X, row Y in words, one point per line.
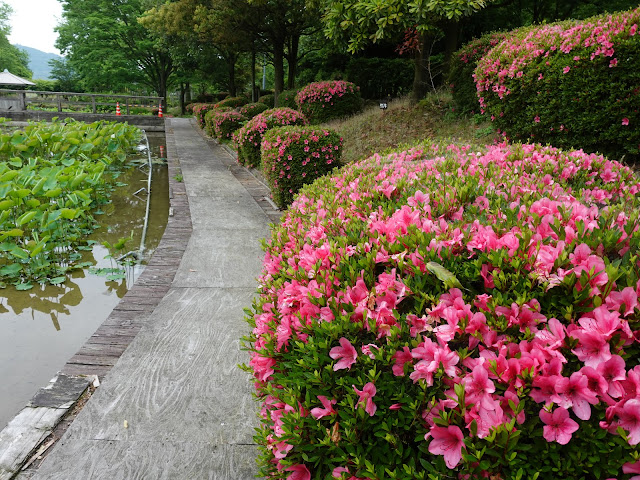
column 451, row 31
column 187, row 95
column 254, row 97
column 278, row 66
column 231, row 63
column 182, row 92
column 420, row 87
column 292, row 58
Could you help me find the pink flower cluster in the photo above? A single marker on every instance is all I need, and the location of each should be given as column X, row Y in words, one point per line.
column 516, row 52
column 249, row 137
column 324, row 92
column 292, row 157
column 500, row 288
column 321, row 101
column 200, row 110
column 225, row 123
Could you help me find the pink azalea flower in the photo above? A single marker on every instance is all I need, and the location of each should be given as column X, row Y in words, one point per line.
column 574, row 392
column 448, row 442
column 401, row 357
column 625, row 121
column 478, row 387
column 629, row 419
column 558, row 426
column 319, row 413
column 366, row 398
column 300, row 472
column 592, row 349
column 632, row 468
column 566, row 69
column 338, row 471
column 627, row 297
column 613, row 371
column 346, row 353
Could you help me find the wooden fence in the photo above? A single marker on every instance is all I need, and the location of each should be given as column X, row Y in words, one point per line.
column 21, row 100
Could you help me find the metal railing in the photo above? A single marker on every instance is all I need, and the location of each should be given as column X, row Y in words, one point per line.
column 21, row 100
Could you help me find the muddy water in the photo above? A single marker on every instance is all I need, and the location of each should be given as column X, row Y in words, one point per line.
column 42, row 328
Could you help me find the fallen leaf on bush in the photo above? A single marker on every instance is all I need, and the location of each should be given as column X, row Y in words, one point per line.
column 335, row 433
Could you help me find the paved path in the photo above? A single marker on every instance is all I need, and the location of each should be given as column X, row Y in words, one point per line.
column 175, row 406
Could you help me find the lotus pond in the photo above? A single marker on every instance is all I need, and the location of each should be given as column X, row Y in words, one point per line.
column 69, row 211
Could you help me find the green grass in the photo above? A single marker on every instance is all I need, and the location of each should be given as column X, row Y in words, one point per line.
column 403, row 124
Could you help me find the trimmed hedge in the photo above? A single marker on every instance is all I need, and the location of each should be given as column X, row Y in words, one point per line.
column 287, row 98
column 324, row 101
column 232, row 102
column 463, row 64
column 209, row 119
column 200, row 110
column 445, row 313
column 250, row 110
column 249, row 137
column 226, row 123
column 295, row 156
column 268, row 99
column 569, row 84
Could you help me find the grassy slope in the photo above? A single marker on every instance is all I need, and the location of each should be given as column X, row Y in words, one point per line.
column 376, row 130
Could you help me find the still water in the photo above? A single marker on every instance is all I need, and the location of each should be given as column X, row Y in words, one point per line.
column 40, row 329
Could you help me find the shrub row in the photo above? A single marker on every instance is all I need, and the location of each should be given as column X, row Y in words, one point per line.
column 200, row 110
column 570, row 84
column 295, row 156
column 247, row 139
column 463, row 65
column 323, row 101
column 222, row 125
column 445, row 313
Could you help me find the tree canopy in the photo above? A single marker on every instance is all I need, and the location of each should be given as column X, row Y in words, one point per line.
column 11, row 58
column 109, row 49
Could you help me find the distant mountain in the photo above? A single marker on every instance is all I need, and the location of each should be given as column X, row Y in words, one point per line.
column 39, row 62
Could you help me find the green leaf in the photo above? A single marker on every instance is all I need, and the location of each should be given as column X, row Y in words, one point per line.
column 57, row 280
column 24, row 286
column 11, row 269
column 444, row 275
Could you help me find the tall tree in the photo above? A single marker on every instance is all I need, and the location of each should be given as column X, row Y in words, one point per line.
column 11, row 58
column 358, row 22
column 108, row 47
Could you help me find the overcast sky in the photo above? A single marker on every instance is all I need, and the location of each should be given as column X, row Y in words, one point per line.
column 33, row 21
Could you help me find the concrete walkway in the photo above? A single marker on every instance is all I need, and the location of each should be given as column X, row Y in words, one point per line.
column 175, row 406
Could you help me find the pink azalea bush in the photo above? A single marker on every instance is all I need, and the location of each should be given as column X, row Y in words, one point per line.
column 250, row 110
column 295, row 156
column 463, row 64
column 210, row 117
column 200, row 110
column 226, row 123
column 323, row 101
column 249, row 137
column 446, row 313
column 232, row 102
column 569, row 84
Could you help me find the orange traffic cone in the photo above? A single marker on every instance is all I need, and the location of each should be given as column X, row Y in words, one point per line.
column 160, row 111
column 162, row 151
column 118, row 108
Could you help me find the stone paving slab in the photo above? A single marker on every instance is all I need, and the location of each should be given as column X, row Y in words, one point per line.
column 175, row 405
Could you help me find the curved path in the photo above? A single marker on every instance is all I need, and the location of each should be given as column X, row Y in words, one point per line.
column 176, row 405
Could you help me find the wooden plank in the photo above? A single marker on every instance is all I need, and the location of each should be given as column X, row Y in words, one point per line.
column 94, row 359
column 23, row 434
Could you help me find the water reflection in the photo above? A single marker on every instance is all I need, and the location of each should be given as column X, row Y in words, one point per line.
column 43, row 327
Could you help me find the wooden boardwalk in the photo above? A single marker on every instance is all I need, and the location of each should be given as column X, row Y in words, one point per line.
column 175, row 405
